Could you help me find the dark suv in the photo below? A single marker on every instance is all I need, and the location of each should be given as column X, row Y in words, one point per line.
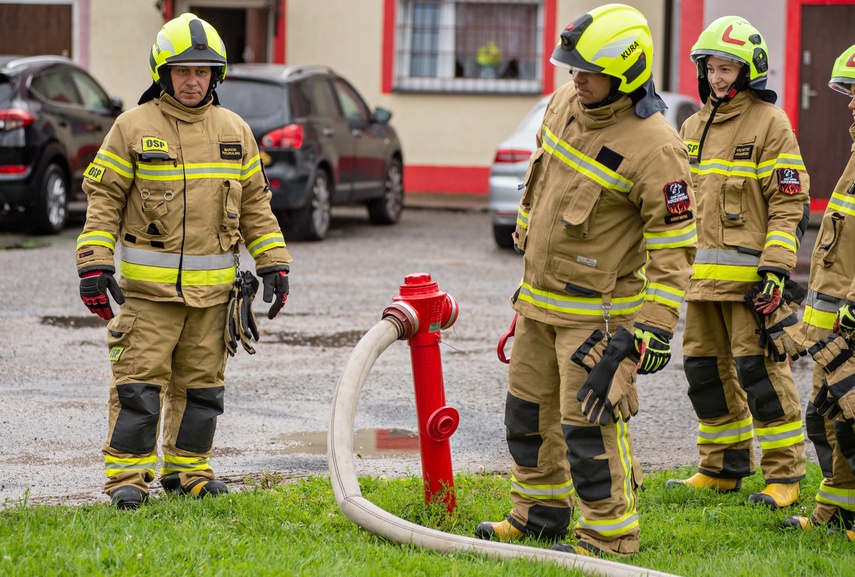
column 53, row 118
column 320, row 143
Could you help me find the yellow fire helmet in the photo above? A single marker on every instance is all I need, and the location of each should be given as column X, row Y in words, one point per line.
column 190, row 41
column 613, row 39
column 843, row 72
column 733, row 38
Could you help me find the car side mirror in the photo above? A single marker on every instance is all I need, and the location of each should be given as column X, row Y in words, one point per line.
column 382, row 115
column 116, row 105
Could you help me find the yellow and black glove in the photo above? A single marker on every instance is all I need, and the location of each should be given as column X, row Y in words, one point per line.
column 609, row 392
column 771, row 293
column 241, row 324
column 835, row 357
column 780, row 336
column 655, row 351
column 845, row 321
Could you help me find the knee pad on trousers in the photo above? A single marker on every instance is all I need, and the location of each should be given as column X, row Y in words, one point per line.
column 199, row 423
column 522, row 420
column 763, row 401
column 815, row 427
column 592, row 478
column 135, row 430
column 844, row 432
column 548, row 522
column 706, row 390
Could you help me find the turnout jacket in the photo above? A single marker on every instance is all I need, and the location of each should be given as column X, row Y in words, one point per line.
column 178, row 188
column 606, row 220
column 752, row 191
column 832, row 268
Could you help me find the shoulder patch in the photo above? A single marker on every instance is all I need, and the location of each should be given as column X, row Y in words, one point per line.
column 153, row 144
column 677, row 197
column 94, row 172
column 743, row 152
column 789, row 181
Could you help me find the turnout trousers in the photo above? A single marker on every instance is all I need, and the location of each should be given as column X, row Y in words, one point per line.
column 167, row 359
column 738, row 392
column 834, row 442
column 557, row 452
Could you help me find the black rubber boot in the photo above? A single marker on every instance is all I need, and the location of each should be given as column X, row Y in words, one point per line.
column 128, row 497
column 580, row 548
column 198, row 487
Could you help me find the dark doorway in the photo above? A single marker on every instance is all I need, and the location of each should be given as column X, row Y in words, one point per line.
column 824, row 119
column 244, row 30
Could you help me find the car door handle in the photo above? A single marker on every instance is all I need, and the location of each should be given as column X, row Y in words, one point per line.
column 328, row 132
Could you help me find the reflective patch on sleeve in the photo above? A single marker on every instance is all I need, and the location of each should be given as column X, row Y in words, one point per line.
column 94, row 172
column 116, row 354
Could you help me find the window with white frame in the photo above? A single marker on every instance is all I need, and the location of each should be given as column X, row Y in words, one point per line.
column 469, row 46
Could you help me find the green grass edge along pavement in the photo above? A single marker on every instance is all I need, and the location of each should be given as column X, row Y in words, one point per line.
column 297, row 529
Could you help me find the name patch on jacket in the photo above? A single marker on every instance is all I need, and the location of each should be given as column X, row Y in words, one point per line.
column 677, row 197
column 231, row 151
column 789, row 181
column 743, row 152
column 152, row 144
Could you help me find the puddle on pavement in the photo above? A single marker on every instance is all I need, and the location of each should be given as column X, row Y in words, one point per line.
column 366, row 442
column 335, row 340
column 87, row 322
column 23, row 244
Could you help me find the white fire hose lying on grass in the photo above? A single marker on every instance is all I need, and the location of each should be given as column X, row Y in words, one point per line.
column 369, row 516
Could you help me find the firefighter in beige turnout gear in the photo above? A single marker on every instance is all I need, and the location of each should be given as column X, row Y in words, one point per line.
column 830, row 307
column 608, row 235
column 175, row 187
column 752, row 192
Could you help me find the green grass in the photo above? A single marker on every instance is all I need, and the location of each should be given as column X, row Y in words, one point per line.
column 297, row 529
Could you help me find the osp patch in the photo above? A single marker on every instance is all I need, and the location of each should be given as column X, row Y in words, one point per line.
column 152, row 144
column 94, row 172
column 789, row 181
column 677, row 197
column 116, row 354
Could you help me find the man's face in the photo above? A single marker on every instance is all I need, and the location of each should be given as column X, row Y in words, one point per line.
column 591, row 87
column 190, row 83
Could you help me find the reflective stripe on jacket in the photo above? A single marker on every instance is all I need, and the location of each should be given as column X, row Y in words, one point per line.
column 606, row 217
column 178, row 188
column 752, row 193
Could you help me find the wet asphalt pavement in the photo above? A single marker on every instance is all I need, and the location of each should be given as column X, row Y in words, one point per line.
column 54, row 368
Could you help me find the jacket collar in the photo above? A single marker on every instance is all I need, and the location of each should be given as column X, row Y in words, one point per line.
column 175, row 109
column 604, row 115
column 727, row 110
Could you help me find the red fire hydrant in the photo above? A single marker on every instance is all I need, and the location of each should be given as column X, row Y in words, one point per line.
column 423, row 310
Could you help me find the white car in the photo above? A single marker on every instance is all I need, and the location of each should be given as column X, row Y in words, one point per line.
column 511, row 162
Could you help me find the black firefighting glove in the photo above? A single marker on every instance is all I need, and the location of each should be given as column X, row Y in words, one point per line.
column 241, row 324
column 655, row 351
column 835, row 357
column 780, row 336
column 275, row 285
column 609, row 392
column 770, row 293
column 825, row 404
column 845, row 321
column 93, row 292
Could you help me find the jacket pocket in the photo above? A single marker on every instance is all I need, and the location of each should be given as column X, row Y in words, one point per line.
column 733, row 201
column 119, row 341
column 535, row 167
column 230, row 191
column 828, row 238
column 577, row 214
column 581, row 277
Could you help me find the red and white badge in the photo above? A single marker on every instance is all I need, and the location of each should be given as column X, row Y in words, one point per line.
column 789, row 181
column 677, row 197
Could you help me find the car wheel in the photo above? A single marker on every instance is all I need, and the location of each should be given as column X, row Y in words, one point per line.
column 387, row 209
column 312, row 221
column 49, row 212
column 504, row 235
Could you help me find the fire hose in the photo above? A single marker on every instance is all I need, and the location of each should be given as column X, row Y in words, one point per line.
column 372, row 518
